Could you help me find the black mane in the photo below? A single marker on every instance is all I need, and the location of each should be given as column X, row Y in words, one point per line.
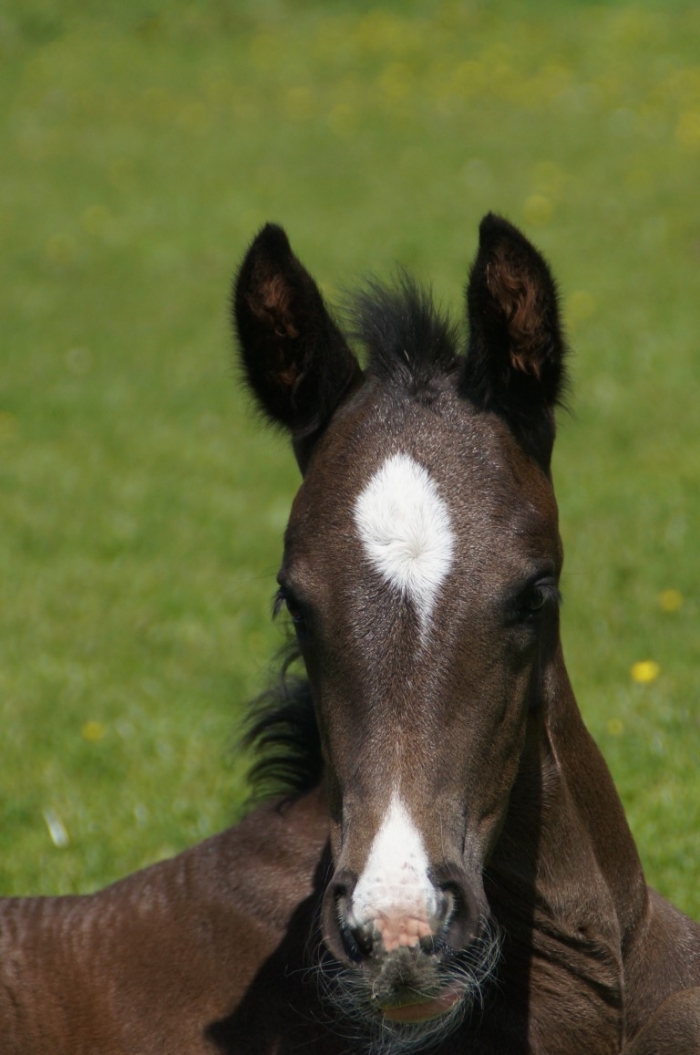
column 281, row 730
column 410, row 341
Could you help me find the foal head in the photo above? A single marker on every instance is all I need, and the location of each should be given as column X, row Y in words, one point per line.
column 420, row 571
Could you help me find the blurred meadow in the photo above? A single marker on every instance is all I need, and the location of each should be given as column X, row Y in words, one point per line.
column 142, row 506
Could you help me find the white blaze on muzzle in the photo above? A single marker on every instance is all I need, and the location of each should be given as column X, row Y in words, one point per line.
column 394, row 894
column 406, row 532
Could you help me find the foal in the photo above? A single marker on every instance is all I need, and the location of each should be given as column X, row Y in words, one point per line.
column 453, row 871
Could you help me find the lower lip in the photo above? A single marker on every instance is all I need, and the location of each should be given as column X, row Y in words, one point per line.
column 425, row 1011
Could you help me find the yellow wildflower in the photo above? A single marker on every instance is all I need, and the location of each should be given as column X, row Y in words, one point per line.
column 645, row 671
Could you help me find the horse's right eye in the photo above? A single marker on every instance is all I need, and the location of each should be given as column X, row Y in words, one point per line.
column 284, row 598
column 294, row 610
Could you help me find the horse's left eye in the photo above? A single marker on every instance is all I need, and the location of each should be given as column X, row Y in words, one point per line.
column 536, row 598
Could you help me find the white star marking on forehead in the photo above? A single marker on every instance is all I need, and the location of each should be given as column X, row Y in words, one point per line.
column 405, row 529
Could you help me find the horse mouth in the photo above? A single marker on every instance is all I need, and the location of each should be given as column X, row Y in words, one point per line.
column 410, row 999
column 416, row 1009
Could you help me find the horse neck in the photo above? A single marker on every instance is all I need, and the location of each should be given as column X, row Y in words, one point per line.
column 566, row 855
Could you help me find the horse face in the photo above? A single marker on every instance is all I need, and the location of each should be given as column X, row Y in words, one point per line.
column 420, row 571
column 421, row 564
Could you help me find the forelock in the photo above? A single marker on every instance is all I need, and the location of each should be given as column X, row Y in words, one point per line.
column 409, row 340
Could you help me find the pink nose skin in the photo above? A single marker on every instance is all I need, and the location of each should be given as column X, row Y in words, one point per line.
column 396, row 931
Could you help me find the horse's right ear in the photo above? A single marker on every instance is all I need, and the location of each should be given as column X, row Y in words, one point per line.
column 295, row 359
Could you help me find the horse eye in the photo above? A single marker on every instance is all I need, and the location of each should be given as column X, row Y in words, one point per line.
column 536, row 600
column 295, row 612
column 287, row 600
column 536, row 597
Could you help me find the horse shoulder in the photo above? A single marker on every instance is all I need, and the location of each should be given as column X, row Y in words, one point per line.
column 153, row 961
column 673, row 1028
column 662, row 982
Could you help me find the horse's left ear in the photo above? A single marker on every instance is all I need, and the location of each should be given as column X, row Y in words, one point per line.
column 515, row 358
column 295, row 359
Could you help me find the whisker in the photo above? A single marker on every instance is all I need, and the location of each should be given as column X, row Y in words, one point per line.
column 348, row 997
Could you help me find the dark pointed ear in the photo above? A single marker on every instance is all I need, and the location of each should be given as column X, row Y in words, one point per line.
column 296, row 362
column 515, row 357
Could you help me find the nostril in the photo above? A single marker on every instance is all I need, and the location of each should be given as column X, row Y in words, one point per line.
column 451, row 901
column 460, row 909
column 351, row 946
column 354, row 942
column 429, row 944
column 364, row 939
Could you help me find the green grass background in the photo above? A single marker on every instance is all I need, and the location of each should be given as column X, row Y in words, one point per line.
column 142, row 506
